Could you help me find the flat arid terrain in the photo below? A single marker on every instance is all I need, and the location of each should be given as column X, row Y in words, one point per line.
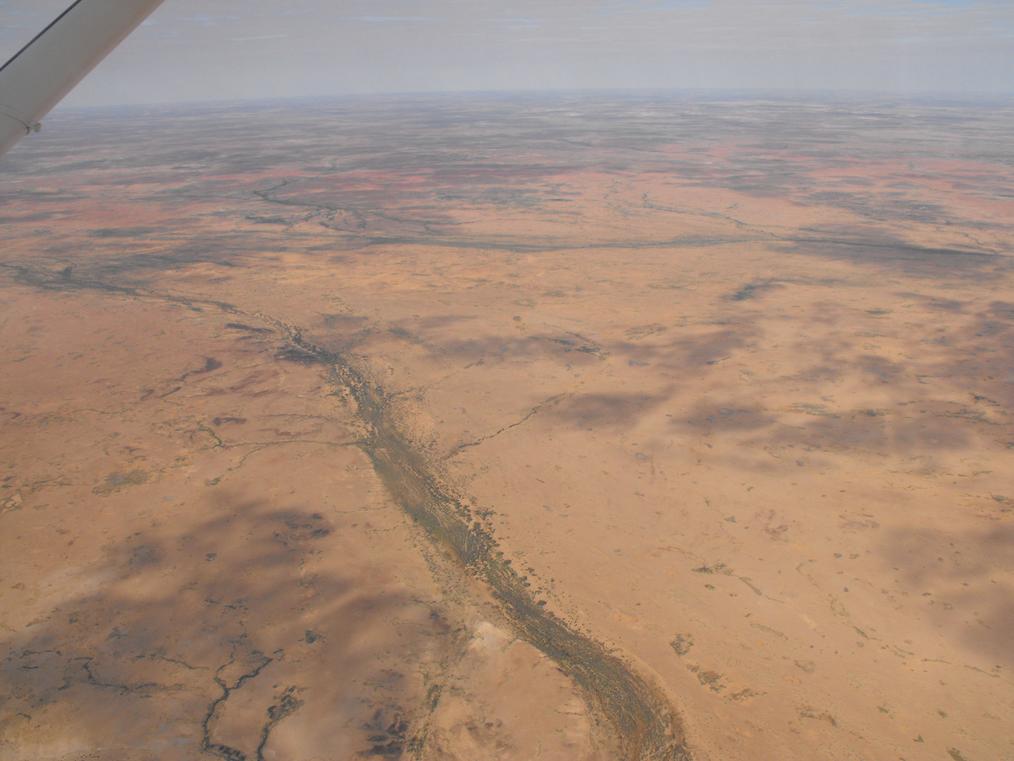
column 647, row 428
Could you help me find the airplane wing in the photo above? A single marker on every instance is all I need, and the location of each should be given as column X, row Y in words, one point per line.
column 59, row 57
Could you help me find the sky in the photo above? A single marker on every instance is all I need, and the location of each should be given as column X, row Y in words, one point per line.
column 193, row 50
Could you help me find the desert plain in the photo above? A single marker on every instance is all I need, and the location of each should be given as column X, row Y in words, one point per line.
column 470, row 427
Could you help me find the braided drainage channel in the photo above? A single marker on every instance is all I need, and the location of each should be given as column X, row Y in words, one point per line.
column 644, row 724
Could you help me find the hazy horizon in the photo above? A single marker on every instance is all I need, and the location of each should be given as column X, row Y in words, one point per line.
column 581, row 380
column 189, row 51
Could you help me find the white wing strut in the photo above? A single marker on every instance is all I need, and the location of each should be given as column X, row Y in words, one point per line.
column 49, row 66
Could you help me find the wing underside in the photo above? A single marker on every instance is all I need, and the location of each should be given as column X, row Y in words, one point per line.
column 59, row 57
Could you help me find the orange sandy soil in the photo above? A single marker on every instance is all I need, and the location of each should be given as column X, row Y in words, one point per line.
column 757, row 446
